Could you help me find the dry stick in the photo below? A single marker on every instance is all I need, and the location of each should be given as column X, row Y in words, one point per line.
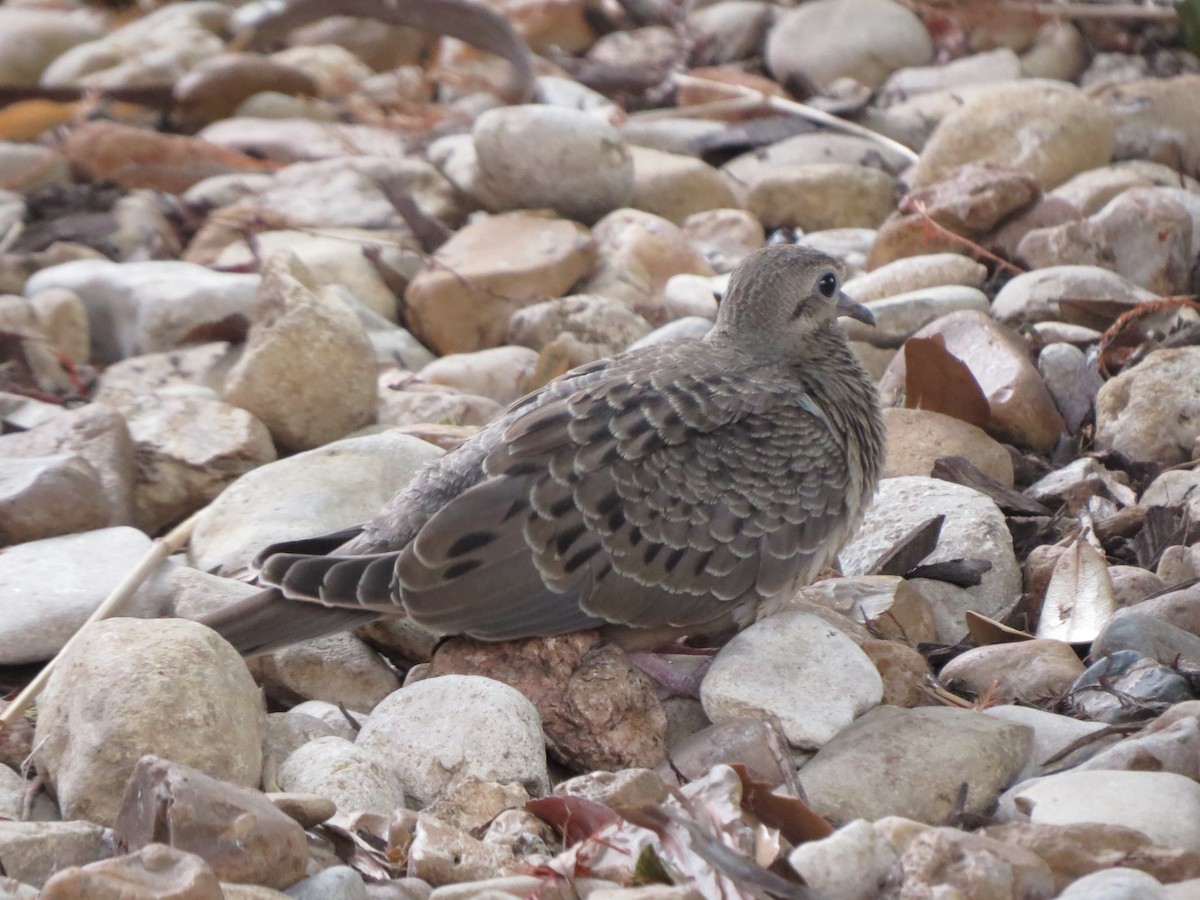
column 803, row 110
column 173, row 541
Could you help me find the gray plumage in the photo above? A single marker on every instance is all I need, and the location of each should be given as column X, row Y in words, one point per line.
column 675, row 487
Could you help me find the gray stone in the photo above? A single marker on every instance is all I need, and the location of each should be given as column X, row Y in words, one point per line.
column 913, row 763
column 793, row 666
column 41, row 613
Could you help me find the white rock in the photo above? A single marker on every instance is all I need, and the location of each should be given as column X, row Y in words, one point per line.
column 1163, row 805
column 681, row 329
column 852, row 863
column 337, row 256
column 588, row 326
column 190, row 448
column 861, row 39
column 13, row 791
column 1152, row 411
column 354, row 778
column 337, row 718
column 974, row 529
column 50, row 587
column 990, row 66
column 498, row 373
column 494, row 734
column 140, row 307
column 1072, row 379
column 914, row 763
column 342, row 484
column 45, row 496
column 195, row 369
column 1116, row 884
column 899, row 316
column 167, row 41
column 541, row 156
column 1051, row 734
column 1173, row 487
column 338, row 668
column 914, row 273
column 794, row 666
column 350, row 191
column 1033, row 296
column 308, row 370
column 693, row 295
column 32, row 38
column 108, row 704
column 33, row 851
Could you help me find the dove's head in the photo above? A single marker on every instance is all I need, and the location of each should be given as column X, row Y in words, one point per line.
column 781, row 296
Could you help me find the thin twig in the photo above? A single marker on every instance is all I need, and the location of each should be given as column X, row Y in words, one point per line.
column 920, row 209
column 802, row 110
column 170, row 543
column 935, row 690
column 714, row 109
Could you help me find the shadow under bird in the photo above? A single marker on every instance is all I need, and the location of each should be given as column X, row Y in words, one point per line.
column 667, row 491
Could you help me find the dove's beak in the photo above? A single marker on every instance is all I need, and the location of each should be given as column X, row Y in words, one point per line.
column 848, row 306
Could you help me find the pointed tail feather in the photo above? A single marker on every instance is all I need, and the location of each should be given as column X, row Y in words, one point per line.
column 268, row 621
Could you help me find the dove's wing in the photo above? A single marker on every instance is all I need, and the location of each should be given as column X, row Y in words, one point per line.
column 651, row 497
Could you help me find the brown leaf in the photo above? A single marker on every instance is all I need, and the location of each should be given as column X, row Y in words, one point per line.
column 140, row 158
column 985, row 631
column 959, row 572
column 937, row 380
column 1094, row 312
column 910, row 549
column 798, row 821
column 573, row 817
column 958, row 470
column 26, row 120
column 1164, row 526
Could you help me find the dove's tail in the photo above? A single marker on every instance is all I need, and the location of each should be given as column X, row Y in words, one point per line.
column 268, row 621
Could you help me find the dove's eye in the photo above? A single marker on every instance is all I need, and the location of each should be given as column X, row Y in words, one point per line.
column 827, row 284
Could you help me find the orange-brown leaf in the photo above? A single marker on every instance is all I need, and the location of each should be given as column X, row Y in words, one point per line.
column 937, row 380
column 26, row 120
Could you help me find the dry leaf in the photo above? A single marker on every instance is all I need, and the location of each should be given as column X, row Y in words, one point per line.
column 985, row 631
column 140, row 158
column 795, row 819
column 937, row 380
column 26, row 120
column 909, row 549
column 1079, row 599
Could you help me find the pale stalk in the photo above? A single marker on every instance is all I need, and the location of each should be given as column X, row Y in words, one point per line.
column 169, row 543
column 804, row 111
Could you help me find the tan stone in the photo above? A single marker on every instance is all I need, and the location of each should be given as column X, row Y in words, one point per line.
column 1033, row 671
column 675, row 186
column 1050, row 130
column 1152, row 411
column 308, row 371
column 638, row 252
column 821, row 196
column 490, row 269
column 1073, row 851
column 917, row 438
column 903, row 671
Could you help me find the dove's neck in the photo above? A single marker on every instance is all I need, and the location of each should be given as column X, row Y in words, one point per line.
column 833, row 377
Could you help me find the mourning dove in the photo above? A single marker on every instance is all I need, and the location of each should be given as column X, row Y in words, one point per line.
column 673, row 488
